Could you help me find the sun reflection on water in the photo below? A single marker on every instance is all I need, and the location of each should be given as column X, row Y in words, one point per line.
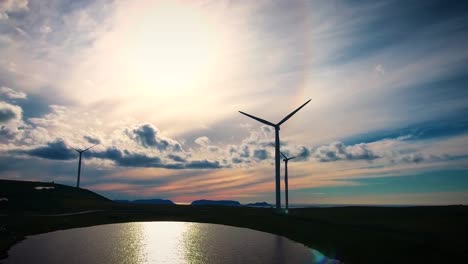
column 162, row 242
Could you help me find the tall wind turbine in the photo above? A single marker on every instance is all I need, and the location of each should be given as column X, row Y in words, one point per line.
column 286, row 189
column 79, row 163
column 277, row 146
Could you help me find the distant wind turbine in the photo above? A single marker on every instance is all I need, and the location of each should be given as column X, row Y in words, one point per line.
column 277, row 146
column 79, row 163
column 286, row 188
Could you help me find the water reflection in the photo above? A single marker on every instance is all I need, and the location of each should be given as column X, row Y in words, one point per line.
column 160, row 242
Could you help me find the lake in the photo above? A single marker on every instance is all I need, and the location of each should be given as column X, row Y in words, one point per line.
column 161, row 242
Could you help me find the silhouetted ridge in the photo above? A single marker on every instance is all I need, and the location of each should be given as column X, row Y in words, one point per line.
column 48, row 196
column 221, row 202
column 146, row 201
column 259, row 204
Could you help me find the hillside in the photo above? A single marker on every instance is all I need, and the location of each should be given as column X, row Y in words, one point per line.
column 47, row 196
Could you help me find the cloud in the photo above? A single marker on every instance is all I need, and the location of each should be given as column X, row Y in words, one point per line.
column 412, row 158
column 148, row 136
column 176, row 158
column 339, row 151
column 111, row 153
column 126, row 158
column 9, row 112
column 203, row 141
column 379, row 69
column 202, row 164
column 244, row 151
column 10, row 122
column 213, row 148
column 303, row 154
column 253, row 149
column 137, row 160
column 6, row 134
column 92, row 140
column 236, row 160
column 360, row 152
column 10, row 6
column 260, row 154
column 45, row 29
column 56, row 150
column 11, row 94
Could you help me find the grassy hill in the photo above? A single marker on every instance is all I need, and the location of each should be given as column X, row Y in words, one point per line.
column 47, row 196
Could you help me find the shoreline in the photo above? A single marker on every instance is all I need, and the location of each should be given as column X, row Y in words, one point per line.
column 412, row 235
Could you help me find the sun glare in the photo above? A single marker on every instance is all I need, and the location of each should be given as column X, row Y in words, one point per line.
column 172, row 48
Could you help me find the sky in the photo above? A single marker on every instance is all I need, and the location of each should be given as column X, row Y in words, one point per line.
column 158, row 84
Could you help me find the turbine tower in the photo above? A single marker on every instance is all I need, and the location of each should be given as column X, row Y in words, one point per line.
column 286, row 189
column 277, row 146
column 79, row 163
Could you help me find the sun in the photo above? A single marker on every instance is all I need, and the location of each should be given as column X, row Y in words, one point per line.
column 172, row 48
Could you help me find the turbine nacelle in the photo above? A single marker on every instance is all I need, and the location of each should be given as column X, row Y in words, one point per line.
column 81, row 151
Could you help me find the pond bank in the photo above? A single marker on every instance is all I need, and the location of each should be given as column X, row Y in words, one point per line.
column 350, row 234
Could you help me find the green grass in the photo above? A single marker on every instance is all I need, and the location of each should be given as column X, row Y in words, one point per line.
column 351, row 234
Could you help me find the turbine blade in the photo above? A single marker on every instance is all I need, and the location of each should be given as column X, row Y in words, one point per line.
column 283, row 155
column 258, row 119
column 73, row 148
column 280, row 151
column 90, row 147
column 291, row 114
column 293, row 158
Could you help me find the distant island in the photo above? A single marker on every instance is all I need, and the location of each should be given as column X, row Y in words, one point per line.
column 259, row 204
column 196, row 202
column 147, row 201
column 220, row 202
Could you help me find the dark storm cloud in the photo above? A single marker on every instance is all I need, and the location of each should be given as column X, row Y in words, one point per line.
column 147, row 135
column 7, row 114
column 126, row 158
column 56, row 150
column 202, row 164
column 304, row 154
column 176, row 158
column 111, row 153
column 138, row 160
column 37, row 106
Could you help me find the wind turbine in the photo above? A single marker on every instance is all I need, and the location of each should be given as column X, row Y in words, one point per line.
column 277, row 145
column 286, row 189
column 79, row 163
